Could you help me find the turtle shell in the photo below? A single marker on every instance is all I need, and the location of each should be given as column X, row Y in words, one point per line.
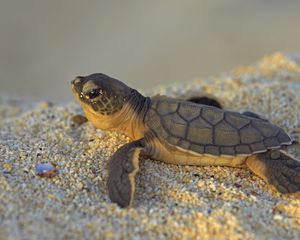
column 208, row 130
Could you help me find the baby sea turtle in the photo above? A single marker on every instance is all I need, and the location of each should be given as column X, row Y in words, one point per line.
column 181, row 132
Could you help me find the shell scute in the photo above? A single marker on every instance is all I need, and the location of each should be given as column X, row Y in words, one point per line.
column 166, row 107
column 213, row 150
column 188, row 112
column 225, row 135
column 173, row 140
column 258, row 147
column 271, row 142
column 200, row 132
column 266, row 129
column 153, row 119
column 283, row 137
column 212, row 115
column 250, row 135
column 227, row 151
column 184, row 144
column 236, row 120
column 197, row 148
column 175, row 125
column 243, row 149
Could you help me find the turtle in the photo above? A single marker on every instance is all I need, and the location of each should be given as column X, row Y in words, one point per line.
column 183, row 132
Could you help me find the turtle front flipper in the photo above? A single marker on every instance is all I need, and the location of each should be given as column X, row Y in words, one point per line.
column 205, row 100
column 280, row 170
column 123, row 167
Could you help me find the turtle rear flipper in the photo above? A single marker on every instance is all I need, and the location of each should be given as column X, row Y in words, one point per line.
column 254, row 115
column 123, row 167
column 280, row 170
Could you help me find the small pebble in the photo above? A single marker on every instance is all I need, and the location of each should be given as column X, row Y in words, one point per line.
column 238, row 185
column 277, row 217
column 7, row 168
column 79, row 119
column 44, row 105
column 52, row 197
column 47, row 170
column 79, row 186
column 94, row 171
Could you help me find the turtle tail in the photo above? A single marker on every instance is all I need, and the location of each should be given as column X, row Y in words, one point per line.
column 279, row 169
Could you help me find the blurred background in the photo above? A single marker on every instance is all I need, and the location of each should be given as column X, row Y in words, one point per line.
column 45, row 44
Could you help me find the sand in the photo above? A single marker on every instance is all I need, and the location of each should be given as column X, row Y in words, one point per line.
column 172, row 202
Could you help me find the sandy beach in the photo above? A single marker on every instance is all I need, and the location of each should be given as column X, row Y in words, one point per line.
column 171, row 202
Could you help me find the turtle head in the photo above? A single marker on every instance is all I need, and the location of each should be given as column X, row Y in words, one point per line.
column 100, row 94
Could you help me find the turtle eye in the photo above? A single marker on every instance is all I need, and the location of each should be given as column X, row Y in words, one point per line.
column 93, row 93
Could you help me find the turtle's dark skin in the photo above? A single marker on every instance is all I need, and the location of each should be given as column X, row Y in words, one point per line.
column 182, row 132
column 205, row 100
